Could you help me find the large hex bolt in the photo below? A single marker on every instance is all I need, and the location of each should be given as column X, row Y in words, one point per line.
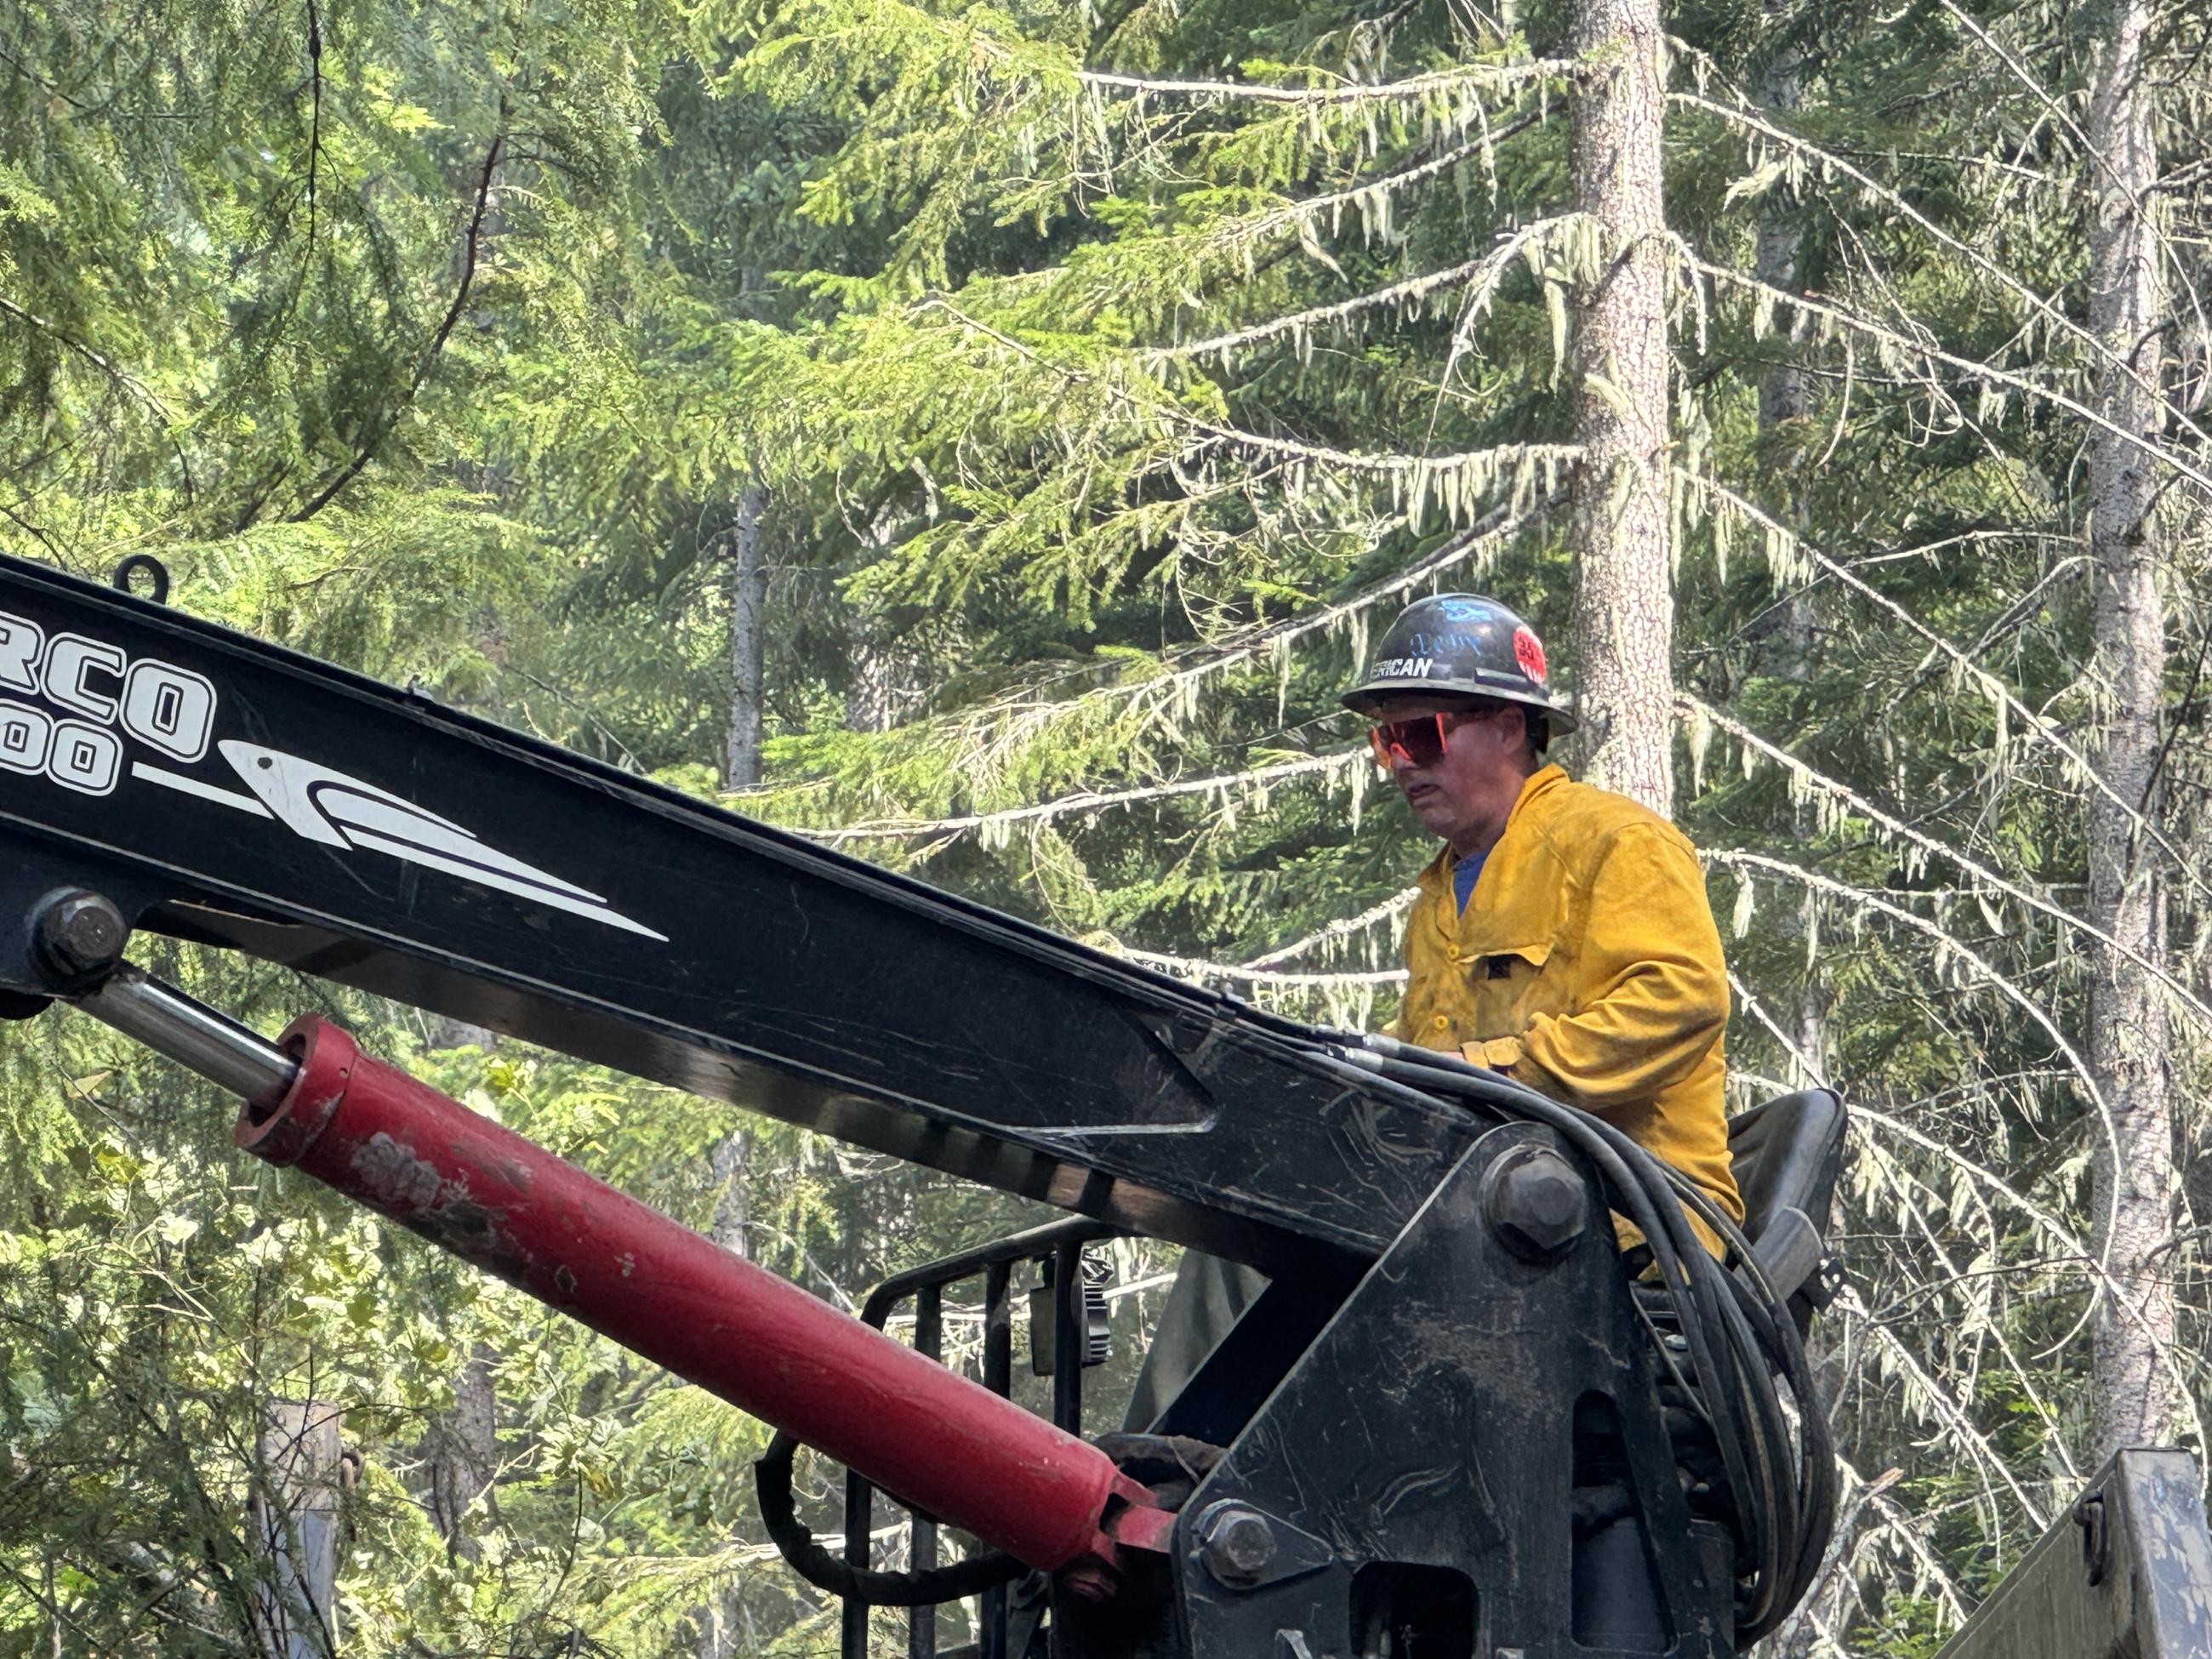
column 81, row 934
column 1535, row 1202
column 1235, row 1544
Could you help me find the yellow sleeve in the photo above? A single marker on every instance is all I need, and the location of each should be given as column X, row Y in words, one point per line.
column 1652, row 994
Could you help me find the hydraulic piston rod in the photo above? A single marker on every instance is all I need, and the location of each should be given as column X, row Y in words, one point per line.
column 195, row 1035
column 925, row 1433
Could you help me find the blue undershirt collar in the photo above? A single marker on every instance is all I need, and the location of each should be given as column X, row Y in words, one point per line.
column 1465, row 873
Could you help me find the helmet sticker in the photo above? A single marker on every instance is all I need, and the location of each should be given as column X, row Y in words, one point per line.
column 1402, row 668
column 1464, row 611
column 1529, row 651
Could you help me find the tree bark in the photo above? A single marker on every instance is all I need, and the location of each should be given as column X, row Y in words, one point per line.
column 886, row 671
column 295, row 1525
column 2133, row 1184
column 731, row 1165
column 463, row 1453
column 1624, row 613
column 1784, row 395
column 715, row 1622
column 748, row 638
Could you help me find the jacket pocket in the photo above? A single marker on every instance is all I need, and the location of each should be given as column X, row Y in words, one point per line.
column 1501, row 983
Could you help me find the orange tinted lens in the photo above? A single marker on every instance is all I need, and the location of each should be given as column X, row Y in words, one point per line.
column 1420, row 740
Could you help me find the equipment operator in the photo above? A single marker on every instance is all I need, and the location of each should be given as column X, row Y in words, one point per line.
column 1562, row 935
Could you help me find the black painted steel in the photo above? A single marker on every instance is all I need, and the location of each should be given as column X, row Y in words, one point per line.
column 223, row 789
column 999, row 1377
column 1428, row 1480
column 1060, row 1243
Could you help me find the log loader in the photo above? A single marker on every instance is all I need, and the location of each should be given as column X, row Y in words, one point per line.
column 1457, row 1424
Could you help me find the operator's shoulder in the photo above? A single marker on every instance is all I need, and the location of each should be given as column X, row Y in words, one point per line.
column 1594, row 820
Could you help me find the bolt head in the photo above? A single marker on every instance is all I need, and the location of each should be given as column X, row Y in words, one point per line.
column 1235, row 1544
column 1538, row 1204
column 83, row 933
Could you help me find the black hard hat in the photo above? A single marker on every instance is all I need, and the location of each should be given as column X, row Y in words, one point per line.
column 1463, row 645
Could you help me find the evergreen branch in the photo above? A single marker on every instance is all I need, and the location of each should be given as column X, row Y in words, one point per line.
column 2097, row 1268
column 1192, row 665
column 2060, row 1233
column 1396, row 905
column 472, row 245
column 1900, row 1526
column 1845, row 1540
column 1740, row 858
column 1968, row 368
column 1363, row 197
column 1405, row 292
column 2043, row 730
column 1458, row 479
column 1199, row 970
column 2020, row 72
column 1945, row 1407
column 1807, row 1066
column 129, row 382
column 1836, row 790
column 36, row 531
column 1419, row 86
column 1897, row 201
column 1953, row 1275
column 1352, row 762
column 1471, row 466
column 1500, row 525
column 1333, row 202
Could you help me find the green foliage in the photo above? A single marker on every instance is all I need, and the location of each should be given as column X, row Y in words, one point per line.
column 1110, row 377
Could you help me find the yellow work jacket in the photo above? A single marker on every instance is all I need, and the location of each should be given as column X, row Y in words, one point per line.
column 1588, row 966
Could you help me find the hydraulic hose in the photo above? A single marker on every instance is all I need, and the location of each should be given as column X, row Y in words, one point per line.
column 1738, row 1334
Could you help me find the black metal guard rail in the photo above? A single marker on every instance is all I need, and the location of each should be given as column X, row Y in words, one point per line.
column 1061, row 1242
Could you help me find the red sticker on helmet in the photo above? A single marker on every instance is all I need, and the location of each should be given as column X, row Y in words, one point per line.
column 1529, row 651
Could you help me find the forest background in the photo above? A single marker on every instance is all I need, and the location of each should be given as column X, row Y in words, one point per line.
column 985, row 437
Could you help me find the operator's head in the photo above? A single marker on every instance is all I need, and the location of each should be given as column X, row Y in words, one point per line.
column 1455, row 689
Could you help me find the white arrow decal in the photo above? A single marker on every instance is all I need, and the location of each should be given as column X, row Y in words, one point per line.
column 327, row 806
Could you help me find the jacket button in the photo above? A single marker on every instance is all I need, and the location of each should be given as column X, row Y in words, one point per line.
column 1439, row 1024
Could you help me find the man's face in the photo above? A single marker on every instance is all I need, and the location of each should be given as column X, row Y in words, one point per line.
column 1466, row 792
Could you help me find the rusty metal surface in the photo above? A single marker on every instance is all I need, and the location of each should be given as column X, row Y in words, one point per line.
column 2126, row 1574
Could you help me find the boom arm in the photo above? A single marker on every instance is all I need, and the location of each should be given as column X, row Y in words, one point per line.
column 1427, row 1227
column 227, row 791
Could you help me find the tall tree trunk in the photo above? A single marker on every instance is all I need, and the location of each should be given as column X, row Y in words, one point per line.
column 886, row 676
column 1624, row 616
column 462, row 1451
column 731, row 1165
column 2128, row 1036
column 1783, row 395
column 295, row 1525
column 716, row 1623
column 741, row 767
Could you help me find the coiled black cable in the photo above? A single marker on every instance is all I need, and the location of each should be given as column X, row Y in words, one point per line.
column 1739, row 1335
column 827, row 1571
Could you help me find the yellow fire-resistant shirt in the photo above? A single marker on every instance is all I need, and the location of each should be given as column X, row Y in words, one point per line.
column 1587, row 964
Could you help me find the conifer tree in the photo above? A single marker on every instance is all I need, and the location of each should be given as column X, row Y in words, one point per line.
column 1623, row 628
column 2130, row 1034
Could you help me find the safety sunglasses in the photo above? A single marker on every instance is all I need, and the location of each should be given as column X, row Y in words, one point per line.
column 1420, row 740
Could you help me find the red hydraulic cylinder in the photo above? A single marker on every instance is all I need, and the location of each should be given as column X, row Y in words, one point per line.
column 923, row 1432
